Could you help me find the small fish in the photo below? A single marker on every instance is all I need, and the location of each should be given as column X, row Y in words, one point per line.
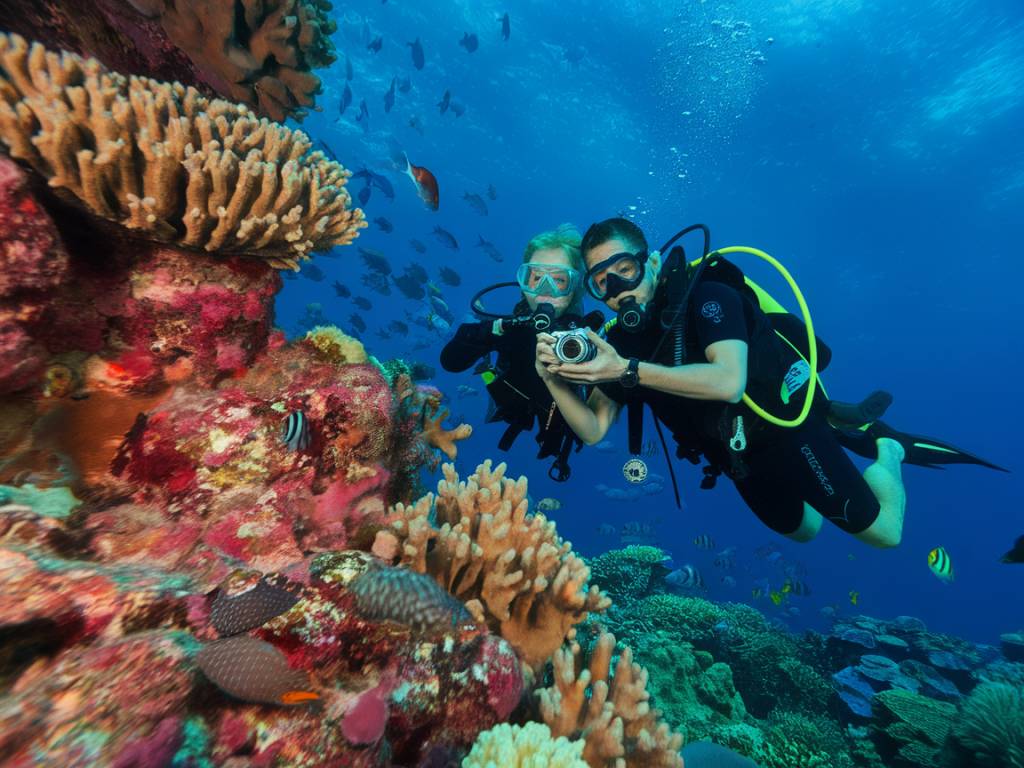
column 296, row 433
column 375, row 45
column 446, row 238
column 466, row 391
column 489, row 248
column 757, row 593
column 342, row 290
column 363, row 303
column 776, row 597
column 449, row 276
column 941, row 564
column 854, row 596
column 384, row 225
column 348, row 68
column 364, row 116
column 417, row 273
column 426, row 183
column 389, row 97
column 475, row 202
column 446, row 99
column 383, row 334
column 728, row 581
column 254, row 670
column 441, row 308
column 726, row 559
column 549, row 504
column 704, row 542
column 420, row 371
column 358, row 323
column 364, row 195
column 492, row 193
column 375, row 261
column 404, row 85
column 1016, row 553
column 416, row 125
column 457, row 108
column 251, row 604
column 606, row 529
column 686, row 577
column 506, row 27
column 634, row 532
column 470, row 42
column 410, row 287
column 417, row 246
column 417, row 53
column 346, row 99
column 398, row 327
column 326, row 149
column 313, row 272
column 797, row 587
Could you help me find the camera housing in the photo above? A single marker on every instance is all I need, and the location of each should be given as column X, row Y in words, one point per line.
column 574, row 346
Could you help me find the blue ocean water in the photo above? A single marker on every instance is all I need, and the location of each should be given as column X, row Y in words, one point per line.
column 874, row 147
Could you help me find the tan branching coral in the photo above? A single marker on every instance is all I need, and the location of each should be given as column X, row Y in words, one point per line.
column 164, row 160
column 259, row 52
column 611, row 713
column 509, row 566
column 436, row 436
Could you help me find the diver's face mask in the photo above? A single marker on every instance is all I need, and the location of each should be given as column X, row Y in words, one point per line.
column 618, row 274
column 549, row 280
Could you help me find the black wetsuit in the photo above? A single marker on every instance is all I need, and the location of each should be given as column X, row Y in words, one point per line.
column 518, row 395
column 779, row 469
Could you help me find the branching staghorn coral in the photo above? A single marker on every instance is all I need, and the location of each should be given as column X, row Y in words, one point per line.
column 164, row 160
column 611, row 713
column 510, row 567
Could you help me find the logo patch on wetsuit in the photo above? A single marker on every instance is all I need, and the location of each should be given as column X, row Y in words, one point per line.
column 712, row 310
column 798, row 374
column 816, row 468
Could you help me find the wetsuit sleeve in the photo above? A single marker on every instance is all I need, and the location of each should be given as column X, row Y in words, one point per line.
column 719, row 314
column 471, row 342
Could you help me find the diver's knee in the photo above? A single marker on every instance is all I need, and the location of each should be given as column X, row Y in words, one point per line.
column 810, row 525
column 881, row 537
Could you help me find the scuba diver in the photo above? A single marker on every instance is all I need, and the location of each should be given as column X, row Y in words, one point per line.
column 550, row 279
column 734, row 377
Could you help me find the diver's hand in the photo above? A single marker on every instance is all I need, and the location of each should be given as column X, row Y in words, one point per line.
column 546, row 359
column 608, row 365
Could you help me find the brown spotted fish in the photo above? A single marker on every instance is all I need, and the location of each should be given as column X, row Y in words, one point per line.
column 409, row 598
column 255, row 671
column 241, row 606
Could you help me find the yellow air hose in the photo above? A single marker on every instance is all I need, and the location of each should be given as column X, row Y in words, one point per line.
column 812, row 345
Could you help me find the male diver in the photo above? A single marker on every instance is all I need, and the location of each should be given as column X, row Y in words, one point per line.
column 730, row 383
column 550, row 279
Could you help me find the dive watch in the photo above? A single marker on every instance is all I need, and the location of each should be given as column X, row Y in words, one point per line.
column 631, row 376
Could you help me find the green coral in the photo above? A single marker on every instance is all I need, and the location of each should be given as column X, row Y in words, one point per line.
column 630, row 573
column 55, row 502
column 909, row 728
column 989, row 733
column 690, row 618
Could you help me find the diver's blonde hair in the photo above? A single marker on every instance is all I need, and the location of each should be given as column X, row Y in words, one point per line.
column 564, row 236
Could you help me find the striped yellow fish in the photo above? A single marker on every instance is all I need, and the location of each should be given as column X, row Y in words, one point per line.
column 941, row 564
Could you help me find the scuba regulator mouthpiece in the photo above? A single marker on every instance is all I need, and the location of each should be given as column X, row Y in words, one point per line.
column 631, row 316
column 543, row 317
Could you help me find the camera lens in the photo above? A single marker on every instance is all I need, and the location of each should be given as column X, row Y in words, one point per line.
column 572, row 348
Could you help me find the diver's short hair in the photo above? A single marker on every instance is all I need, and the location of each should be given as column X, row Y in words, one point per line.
column 616, row 228
column 564, row 236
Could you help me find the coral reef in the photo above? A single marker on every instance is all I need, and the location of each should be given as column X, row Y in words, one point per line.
column 989, row 730
column 478, row 540
column 630, row 573
column 258, row 52
column 609, row 712
column 512, row 746
column 165, row 161
column 909, row 729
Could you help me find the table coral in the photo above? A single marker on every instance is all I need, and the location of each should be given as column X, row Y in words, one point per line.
column 162, row 159
column 610, row 712
column 630, row 573
column 479, row 541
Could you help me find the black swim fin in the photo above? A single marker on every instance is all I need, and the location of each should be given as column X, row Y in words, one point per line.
column 1015, row 555
column 920, row 451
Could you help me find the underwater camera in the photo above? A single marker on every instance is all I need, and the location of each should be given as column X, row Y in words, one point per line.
column 574, row 346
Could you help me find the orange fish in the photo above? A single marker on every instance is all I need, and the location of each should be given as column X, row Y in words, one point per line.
column 299, row 697
column 426, row 184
